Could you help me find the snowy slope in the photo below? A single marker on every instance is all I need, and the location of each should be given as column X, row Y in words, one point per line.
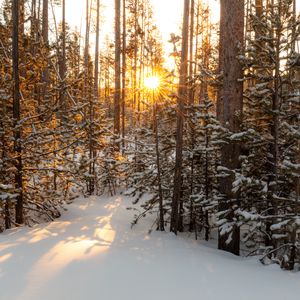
column 91, row 253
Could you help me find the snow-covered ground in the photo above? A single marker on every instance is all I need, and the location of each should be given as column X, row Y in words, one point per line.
column 92, row 253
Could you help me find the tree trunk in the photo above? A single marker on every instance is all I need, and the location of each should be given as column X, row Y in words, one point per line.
column 117, row 94
column 96, row 75
column 181, row 100
column 191, row 58
column 229, row 106
column 123, row 74
column 136, row 4
column 45, row 41
column 17, row 113
column 62, row 65
column 161, row 226
column 45, row 25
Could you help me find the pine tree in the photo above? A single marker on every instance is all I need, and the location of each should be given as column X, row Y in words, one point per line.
column 229, row 111
column 176, row 213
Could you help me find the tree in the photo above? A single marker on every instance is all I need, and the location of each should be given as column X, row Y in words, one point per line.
column 268, row 174
column 229, row 111
column 181, row 100
column 62, row 63
column 124, row 69
column 191, row 51
column 117, row 93
column 17, row 114
column 45, row 20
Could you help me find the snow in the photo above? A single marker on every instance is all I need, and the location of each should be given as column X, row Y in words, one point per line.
column 92, row 253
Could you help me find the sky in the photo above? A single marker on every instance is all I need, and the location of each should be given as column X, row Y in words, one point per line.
column 167, row 15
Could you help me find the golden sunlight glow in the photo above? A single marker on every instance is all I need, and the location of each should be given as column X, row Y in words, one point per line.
column 152, row 82
column 76, row 16
column 95, row 239
column 5, row 257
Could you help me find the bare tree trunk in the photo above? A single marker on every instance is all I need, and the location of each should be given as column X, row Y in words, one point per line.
column 123, row 74
column 181, row 100
column 259, row 8
column 136, row 4
column 117, row 94
column 86, row 48
column 96, row 75
column 62, row 65
column 45, row 21
column 45, row 41
column 207, row 178
column 17, row 113
column 229, row 106
column 33, row 29
column 4, row 159
column 197, row 44
column 21, row 18
column 161, row 226
column 92, row 151
column 191, row 64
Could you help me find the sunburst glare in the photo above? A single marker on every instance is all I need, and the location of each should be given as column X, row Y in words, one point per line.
column 152, row 82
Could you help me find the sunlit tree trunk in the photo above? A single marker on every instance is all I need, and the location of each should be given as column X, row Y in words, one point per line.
column 45, row 22
column 181, row 100
column 117, row 93
column 136, row 4
column 45, row 42
column 259, row 8
column 86, row 48
column 21, row 18
column 33, row 27
column 197, row 33
column 123, row 73
column 191, row 58
column 62, row 64
column 96, row 72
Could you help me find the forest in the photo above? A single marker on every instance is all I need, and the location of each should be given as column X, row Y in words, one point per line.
column 204, row 141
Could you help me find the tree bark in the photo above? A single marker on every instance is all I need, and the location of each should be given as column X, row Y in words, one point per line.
column 161, row 226
column 117, row 94
column 123, row 74
column 17, row 113
column 45, row 41
column 229, row 106
column 181, row 100
column 96, row 75
column 45, row 25
column 62, row 65
column 191, row 58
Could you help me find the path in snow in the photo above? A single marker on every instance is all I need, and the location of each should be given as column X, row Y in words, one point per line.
column 91, row 253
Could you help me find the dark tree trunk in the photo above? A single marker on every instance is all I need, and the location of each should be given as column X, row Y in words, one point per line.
column 229, row 106
column 45, row 25
column 191, row 46
column 181, row 100
column 17, row 113
column 161, row 226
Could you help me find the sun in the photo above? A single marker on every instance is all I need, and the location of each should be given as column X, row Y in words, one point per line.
column 152, row 82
